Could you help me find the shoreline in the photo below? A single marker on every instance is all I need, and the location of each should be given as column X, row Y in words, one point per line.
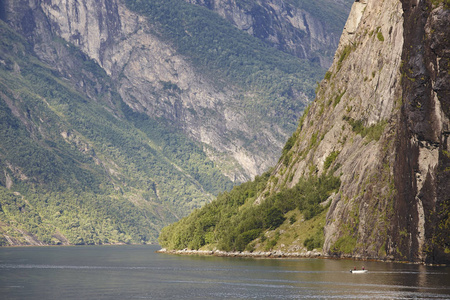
column 256, row 254
column 285, row 255
column 277, row 254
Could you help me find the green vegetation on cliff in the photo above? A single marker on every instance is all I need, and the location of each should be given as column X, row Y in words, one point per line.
column 233, row 220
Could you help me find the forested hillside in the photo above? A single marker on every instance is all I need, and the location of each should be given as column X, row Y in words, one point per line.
column 120, row 117
column 233, row 223
column 83, row 172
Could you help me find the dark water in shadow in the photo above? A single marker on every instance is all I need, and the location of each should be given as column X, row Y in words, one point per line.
column 137, row 272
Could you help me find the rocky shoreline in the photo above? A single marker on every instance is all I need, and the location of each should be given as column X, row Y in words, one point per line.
column 280, row 254
column 255, row 254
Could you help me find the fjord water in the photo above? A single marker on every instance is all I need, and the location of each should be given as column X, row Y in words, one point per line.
column 137, row 272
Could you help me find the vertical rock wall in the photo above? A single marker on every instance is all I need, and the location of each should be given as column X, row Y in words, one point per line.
column 423, row 176
column 383, row 112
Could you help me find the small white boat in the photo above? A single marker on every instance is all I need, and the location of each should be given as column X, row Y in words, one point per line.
column 358, row 271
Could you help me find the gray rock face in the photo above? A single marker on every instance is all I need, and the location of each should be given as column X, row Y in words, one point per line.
column 153, row 78
column 383, row 108
column 288, row 27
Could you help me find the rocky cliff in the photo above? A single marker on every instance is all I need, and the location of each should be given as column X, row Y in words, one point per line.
column 306, row 29
column 367, row 173
column 381, row 118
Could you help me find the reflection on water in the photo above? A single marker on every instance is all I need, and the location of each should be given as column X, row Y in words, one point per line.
column 137, row 272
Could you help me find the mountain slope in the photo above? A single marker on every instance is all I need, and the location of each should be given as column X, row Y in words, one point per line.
column 380, row 124
column 120, row 117
column 185, row 66
column 80, row 171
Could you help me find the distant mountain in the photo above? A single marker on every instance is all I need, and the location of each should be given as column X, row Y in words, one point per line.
column 119, row 117
column 367, row 173
column 308, row 29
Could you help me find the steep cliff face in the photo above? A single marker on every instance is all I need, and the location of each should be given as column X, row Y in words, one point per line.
column 366, row 174
column 423, row 194
column 152, row 77
column 303, row 28
column 381, row 120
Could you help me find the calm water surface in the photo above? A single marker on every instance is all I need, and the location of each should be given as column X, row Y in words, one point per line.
column 137, row 272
